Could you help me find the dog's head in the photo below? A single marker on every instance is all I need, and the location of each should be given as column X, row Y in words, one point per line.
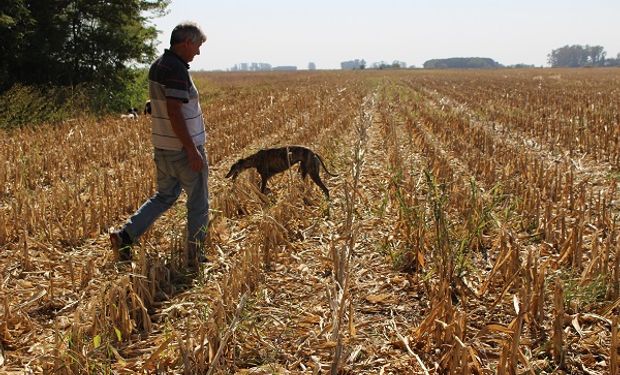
column 238, row 167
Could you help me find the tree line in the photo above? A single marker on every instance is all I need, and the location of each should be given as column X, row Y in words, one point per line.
column 581, row 56
column 77, row 43
column 461, row 63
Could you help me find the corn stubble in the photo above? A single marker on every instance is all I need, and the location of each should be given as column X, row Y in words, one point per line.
column 472, row 230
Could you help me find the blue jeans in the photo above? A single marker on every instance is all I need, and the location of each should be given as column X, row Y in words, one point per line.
column 174, row 174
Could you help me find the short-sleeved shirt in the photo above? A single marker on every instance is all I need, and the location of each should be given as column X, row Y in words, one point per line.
column 169, row 79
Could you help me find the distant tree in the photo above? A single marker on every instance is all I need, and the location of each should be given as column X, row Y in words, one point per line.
column 461, row 63
column 385, row 65
column 577, row 56
column 399, row 64
column 521, row 66
column 379, row 65
column 311, row 66
column 595, row 55
column 353, row 64
column 567, row 56
column 612, row 61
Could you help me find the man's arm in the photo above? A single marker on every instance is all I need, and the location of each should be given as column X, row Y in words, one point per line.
column 180, row 129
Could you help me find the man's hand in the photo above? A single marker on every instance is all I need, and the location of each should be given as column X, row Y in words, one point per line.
column 196, row 162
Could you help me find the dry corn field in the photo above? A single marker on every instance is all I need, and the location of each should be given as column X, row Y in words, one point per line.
column 473, row 229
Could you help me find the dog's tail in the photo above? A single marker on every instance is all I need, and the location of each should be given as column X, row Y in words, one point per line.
column 324, row 167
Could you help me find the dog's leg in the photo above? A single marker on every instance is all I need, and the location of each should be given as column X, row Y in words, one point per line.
column 317, row 180
column 303, row 171
column 263, row 184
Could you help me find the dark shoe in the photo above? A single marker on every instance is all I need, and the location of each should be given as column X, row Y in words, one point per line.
column 202, row 258
column 121, row 245
column 195, row 256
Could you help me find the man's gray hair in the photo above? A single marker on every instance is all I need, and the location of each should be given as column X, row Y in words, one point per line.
column 187, row 30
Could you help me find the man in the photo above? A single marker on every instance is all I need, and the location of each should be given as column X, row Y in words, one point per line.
column 178, row 136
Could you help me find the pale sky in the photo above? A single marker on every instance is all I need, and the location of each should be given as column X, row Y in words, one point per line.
column 290, row 32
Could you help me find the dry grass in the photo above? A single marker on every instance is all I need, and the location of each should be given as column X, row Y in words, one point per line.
column 472, row 230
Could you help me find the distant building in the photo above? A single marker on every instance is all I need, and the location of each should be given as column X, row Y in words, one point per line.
column 260, row 67
column 311, row 66
column 251, row 67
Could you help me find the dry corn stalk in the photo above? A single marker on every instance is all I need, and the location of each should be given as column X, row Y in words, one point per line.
column 614, row 366
column 341, row 260
column 558, row 324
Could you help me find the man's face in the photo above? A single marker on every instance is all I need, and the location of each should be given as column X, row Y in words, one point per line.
column 190, row 50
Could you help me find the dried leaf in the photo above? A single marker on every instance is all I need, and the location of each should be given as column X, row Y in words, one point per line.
column 499, row 328
column 352, row 330
column 313, row 319
column 328, row 345
column 421, row 260
column 118, row 357
column 157, row 352
column 515, row 302
column 377, row 298
column 575, row 323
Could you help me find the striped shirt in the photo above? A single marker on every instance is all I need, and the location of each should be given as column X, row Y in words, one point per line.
column 169, row 78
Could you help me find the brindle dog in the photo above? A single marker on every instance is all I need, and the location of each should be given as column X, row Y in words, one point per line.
column 276, row 160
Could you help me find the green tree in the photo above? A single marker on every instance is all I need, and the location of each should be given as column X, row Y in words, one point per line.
column 69, row 42
column 15, row 23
